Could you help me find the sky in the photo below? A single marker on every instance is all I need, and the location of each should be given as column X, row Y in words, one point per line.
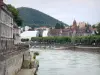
column 64, row 10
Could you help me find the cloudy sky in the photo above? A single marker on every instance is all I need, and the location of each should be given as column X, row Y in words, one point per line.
column 64, row 10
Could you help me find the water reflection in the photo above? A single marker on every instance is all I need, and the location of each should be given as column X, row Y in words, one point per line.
column 53, row 62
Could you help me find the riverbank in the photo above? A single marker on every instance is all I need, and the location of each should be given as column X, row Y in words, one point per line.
column 29, row 71
column 69, row 47
column 76, row 48
column 13, row 65
column 30, row 64
column 81, row 48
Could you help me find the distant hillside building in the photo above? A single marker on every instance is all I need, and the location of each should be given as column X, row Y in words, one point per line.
column 81, row 29
column 81, row 25
column 55, row 32
column 42, row 28
column 29, row 34
column 42, row 31
column 26, row 28
column 74, row 26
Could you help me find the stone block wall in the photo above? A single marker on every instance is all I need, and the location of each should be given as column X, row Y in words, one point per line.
column 12, row 65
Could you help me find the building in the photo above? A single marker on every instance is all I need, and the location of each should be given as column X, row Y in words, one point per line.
column 55, row 32
column 42, row 28
column 29, row 34
column 6, row 27
column 16, row 33
column 42, row 31
column 81, row 29
column 45, row 33
column 27, row 28
column 81, row 25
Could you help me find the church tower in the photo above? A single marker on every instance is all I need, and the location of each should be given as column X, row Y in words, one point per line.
column 74, row 26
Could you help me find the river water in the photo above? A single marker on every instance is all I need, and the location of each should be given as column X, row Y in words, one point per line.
column 67, row 62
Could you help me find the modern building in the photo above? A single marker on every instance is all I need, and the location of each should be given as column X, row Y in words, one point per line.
column 6, row 27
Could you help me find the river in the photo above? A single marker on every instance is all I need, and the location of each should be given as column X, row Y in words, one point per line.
column 67, row 62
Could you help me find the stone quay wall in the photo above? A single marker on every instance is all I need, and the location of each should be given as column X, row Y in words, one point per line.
column 11, row 65
column 11, row 60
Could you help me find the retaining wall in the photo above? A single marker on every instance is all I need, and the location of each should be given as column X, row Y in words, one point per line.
column 11, row 65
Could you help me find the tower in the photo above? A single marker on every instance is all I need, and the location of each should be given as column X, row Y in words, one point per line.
column 74, row 30
column 74, row 25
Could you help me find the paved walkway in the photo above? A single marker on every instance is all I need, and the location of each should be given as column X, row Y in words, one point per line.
column 26, row 71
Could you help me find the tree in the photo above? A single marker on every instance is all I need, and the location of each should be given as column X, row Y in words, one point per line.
column 98, row 29
column 59, row 26
column 62, row 26
column 87, row 27
column 15, row 14
column 93, row 26
column 24, row 40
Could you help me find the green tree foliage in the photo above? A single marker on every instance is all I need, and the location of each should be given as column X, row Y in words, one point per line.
column 59, row 26
column 24, row 40
column 33, row 17
column 15, row 14
column 93, row 26
column 84, row 40
column 87, row 40
column 98, row 29
column 51, row 39
column 95, row 31
column 87, row 27
column 62, row 26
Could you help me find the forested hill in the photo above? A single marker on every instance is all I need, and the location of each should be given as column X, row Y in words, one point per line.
column 32, row 17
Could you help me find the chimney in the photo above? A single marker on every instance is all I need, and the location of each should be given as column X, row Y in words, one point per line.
column 1, row 3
